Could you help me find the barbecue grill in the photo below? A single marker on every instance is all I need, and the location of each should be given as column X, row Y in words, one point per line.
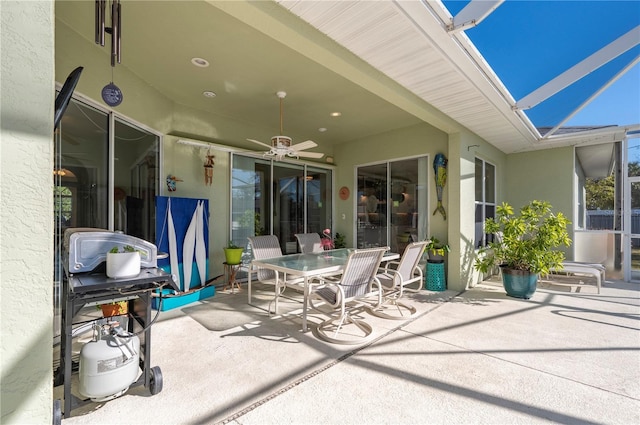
column 86, row 284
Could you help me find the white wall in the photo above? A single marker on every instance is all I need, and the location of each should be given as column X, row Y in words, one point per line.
column 26, row 211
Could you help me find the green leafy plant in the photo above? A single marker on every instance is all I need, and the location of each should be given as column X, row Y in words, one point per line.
column 338, row 241
column 436, row 246
column 126, row 248
column 525, row 241
column 232, row 245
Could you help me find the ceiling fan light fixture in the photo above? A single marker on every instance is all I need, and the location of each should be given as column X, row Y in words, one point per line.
column 336, row 114
column 282, row 146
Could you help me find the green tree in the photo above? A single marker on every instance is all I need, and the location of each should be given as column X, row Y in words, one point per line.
column 600, row 193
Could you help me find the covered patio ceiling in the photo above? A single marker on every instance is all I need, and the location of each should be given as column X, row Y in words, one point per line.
column 383, row 64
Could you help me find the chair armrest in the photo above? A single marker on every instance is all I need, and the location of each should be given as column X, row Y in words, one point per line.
column 389, row 263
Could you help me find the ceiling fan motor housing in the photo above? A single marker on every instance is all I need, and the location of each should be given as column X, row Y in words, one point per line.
column 283, row 142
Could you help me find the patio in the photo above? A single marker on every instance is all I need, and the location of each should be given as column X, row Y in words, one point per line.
column 562, row 356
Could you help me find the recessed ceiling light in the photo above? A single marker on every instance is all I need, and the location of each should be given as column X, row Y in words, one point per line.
column 322, row 129
column 208, row 94
column 335, row 114
column 202, row 63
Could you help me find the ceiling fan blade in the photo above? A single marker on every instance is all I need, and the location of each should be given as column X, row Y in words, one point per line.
column 304, row 145
column 260, row 143
column 309, row 154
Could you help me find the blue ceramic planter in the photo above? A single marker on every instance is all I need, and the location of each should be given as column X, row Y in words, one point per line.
column 519, row 283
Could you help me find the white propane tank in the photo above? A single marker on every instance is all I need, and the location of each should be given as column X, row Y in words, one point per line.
column 108, row 364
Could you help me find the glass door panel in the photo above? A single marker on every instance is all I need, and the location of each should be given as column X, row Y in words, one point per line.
column 288, row 205
column 632, row 259
column 319, row 204
column 80, row 183
column 405, row 197
column 372, row 206
column 250, row 198
column 135, row 181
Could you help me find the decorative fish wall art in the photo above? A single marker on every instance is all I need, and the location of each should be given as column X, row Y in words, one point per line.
column 440, row 172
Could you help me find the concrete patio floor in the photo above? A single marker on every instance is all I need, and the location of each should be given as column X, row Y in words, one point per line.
column 477, row 357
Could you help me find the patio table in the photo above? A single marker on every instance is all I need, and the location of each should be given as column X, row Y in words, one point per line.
column 307, row 266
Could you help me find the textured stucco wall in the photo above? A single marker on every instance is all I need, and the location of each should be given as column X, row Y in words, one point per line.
column 26, row 210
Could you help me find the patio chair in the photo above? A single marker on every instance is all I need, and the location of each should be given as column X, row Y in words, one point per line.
column 264, row 247
column 571, row 268
column 309, row 242
column 348, row 295
column 398, row 277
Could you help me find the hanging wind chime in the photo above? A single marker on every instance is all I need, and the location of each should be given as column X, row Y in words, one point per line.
column 111, row 94
column 208, row 168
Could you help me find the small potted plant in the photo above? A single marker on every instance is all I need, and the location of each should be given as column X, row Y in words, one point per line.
column 233, row 253
column 123, row 263
column 339, row 242
column 113, row 309
column 436, row 249
column 523, row 245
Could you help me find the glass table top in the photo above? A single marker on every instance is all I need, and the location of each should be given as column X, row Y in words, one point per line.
column 330, row 260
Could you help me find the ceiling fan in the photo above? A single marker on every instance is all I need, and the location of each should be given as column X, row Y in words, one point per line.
column 281, row 146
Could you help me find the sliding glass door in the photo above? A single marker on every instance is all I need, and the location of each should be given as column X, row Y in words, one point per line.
column 392, row 203
column 105, row 176
column 278, row 198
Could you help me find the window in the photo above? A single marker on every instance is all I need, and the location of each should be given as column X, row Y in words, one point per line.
column 485, row 199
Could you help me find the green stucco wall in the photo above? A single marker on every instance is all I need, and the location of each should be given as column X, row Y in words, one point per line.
column 26, row 211
column 543, row 175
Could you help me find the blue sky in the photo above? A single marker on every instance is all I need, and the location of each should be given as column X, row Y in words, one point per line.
column 529, row 42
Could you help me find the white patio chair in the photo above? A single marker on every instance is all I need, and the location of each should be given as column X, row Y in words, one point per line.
column 398, row 277
column 309, row 242
column 345, row 297
column 264, row 247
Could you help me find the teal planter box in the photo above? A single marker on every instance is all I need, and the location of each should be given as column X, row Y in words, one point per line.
column 518, row 283
column 169, row 302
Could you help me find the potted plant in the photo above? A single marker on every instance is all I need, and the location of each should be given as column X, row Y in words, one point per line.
column 233, row 253
column 436, row 249
column 523, row 245
column 123, row 263
column 116, row 308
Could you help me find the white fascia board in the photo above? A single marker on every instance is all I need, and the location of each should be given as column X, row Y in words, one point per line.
column 472, row 14
column 586, row 66
column 462, row 54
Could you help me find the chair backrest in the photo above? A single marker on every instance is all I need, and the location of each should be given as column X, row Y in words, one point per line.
column 262, row 247
column 410, row 259
column 359, row 271
column 309, row 242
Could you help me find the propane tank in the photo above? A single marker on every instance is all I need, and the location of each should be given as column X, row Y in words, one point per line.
column 108, row 363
